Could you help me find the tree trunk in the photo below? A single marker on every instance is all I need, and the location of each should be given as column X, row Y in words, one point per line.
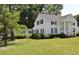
column 12, row 35
column 5, row 35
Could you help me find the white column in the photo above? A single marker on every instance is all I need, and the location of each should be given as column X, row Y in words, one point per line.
column 58, row 28
column 64, row 27
column 68, row 29
column 75, row 28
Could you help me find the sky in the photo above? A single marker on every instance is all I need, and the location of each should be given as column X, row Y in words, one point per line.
column 70, row 9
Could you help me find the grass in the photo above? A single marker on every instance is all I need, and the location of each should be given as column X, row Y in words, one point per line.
column 56, row 46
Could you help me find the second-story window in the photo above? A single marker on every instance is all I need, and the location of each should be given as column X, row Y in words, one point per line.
column 41, row 21
column 53, row 23
column 37, row 23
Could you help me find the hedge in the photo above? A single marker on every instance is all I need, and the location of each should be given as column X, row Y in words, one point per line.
column 19, row 36
column 42, row 36
column 38, row 36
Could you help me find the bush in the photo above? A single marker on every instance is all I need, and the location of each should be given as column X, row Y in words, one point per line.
column 53, row 35
column 34, row 36
column 62, row 35
column 19, row 36
column 28, row 35
column 42, row 36
column 38, row 36
column 77, row 34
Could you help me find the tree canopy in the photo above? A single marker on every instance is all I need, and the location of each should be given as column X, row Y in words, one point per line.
column 77, row 18
column 9, row 19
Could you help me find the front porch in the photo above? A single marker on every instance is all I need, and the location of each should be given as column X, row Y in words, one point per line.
column 67, row 27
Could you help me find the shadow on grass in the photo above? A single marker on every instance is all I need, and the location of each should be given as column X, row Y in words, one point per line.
column 10, row 44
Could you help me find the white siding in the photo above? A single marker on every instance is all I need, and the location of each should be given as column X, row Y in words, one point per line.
column 47, row 23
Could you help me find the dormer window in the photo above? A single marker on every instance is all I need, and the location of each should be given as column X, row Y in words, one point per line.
column 53, row 23
column 37, row 22
column 41, row 21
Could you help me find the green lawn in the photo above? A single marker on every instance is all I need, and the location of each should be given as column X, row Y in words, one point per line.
column 56, row 46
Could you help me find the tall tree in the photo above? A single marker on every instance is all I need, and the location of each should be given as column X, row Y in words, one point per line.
column 9, row 20
column 12, row 9
column 15, row 8
column 28, row 16
column 4, row 21
column 55, row 8
column 77, row 18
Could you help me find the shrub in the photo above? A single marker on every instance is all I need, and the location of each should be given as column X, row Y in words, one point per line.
column 77, row 34
column 53, row 35
column 33, row 36
column 19, row 36
column 57, row 35
column 38, row 36
column 28, row 35
column 62, row 35
column 42, row 36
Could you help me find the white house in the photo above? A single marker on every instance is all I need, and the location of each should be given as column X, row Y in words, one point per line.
column 55, row 24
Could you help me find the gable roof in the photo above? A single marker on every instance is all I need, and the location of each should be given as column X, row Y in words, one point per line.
column 51, row 17
column 68, row 17
column 47, row 17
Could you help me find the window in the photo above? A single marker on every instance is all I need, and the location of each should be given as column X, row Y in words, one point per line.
column 62, row 29
column 41, row 21
column 37, row 31
column 42, row 31
column 53, row 23
column 37, row 22
column 51, row 30
column 30, row 32
column 55, row 30
column 73, row 29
